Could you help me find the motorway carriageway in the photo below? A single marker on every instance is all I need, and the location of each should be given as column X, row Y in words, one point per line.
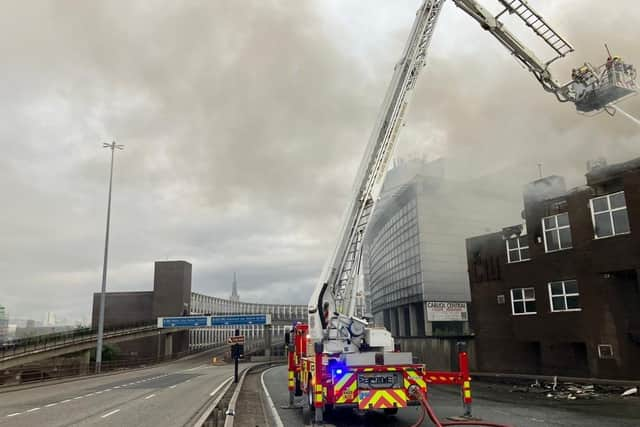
column 168, row 394
column 491, row 402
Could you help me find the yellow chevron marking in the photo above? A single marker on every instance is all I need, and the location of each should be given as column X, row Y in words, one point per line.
column 343, row 381
column 349, row 394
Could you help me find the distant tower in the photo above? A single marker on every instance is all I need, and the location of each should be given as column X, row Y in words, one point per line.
column 234, row 289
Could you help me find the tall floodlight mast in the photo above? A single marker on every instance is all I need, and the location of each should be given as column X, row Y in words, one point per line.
column 113, row 146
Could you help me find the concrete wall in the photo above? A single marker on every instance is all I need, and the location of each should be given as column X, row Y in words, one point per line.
column 123, row 308
column 438, row 354
column 171, row 288
column 171, row 296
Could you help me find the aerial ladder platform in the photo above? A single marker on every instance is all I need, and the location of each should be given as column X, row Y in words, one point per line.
column 339, row 359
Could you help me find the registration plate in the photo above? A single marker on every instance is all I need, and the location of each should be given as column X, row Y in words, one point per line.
column 377, row 380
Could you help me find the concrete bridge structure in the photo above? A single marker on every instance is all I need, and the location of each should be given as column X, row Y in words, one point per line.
column 130, row 323
column 282, row 317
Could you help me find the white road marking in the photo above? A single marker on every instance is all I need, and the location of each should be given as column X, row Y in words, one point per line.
column 50, row 405
column 108, row 414
column 116, row 387
column 33, row 410
column 65, row 401
column 107, row 390
column 78, row 398
column 537, row 420
column 217, row 389
column 173, row 386
column 14, row 414
column 149, row 397
column 274, row 412
column 99, row 392
column 88, row 395
column 196, row 367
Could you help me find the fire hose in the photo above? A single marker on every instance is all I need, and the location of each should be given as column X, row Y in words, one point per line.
column 428, row 410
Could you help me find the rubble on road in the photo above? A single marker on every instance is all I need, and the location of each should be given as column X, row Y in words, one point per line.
column 572, row 391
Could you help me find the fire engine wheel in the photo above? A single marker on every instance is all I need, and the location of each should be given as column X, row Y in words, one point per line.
column 390, row 411
column 310, row 396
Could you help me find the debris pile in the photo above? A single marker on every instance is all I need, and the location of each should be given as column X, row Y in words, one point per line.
column 573, row 391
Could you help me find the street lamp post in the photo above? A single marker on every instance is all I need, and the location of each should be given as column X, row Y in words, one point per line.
column 113, row 147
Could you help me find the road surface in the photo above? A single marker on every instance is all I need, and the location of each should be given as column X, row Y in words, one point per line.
column 491, row 403
column 163, row 395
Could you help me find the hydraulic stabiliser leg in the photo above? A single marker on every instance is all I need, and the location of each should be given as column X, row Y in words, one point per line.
column 463, row 362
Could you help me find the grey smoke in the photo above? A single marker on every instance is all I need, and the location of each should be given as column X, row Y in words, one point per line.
column 243, row 124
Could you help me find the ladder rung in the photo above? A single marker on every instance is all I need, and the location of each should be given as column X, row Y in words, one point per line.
column 538, row 25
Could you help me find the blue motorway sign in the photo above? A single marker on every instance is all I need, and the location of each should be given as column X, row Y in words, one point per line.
column 241, row 319
column 183, row 322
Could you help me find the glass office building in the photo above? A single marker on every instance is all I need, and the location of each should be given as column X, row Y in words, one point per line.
column 416, row 272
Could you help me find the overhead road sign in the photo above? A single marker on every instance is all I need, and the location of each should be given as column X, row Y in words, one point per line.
column 241, row 320
column 206, row 321
column 236, row 339
column 183, row 322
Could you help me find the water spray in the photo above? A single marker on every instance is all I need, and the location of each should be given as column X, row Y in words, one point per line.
column 627, row 115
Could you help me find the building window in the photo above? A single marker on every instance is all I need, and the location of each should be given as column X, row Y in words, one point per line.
column 609, row 215
column 557, row 232
column 523, row 301
column 563, row 295
column 605, row 351
column 518, row 249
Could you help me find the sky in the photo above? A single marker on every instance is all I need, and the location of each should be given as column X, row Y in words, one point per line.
column 243, row 124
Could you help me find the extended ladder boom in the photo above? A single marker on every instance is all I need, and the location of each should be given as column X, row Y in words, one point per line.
column 337, row 279
column 592, row 89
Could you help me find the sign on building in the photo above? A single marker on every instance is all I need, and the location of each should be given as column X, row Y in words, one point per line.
column 447, row 311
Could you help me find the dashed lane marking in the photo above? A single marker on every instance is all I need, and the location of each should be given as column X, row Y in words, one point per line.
column 50, row 405
column 66, row 400
column 33, row 409
column 78, row 398
column 173, row 386
column 108, row 414
column 14, row 414
column 149, row 397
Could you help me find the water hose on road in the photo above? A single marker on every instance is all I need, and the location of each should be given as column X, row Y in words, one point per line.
column 428, row 410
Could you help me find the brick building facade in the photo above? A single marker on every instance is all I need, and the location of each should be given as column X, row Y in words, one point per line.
column 560, row 296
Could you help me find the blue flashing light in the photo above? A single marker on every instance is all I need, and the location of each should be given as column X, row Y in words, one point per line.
column 338, row 368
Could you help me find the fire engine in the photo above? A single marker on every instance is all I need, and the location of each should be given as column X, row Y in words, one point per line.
column 340, row 359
